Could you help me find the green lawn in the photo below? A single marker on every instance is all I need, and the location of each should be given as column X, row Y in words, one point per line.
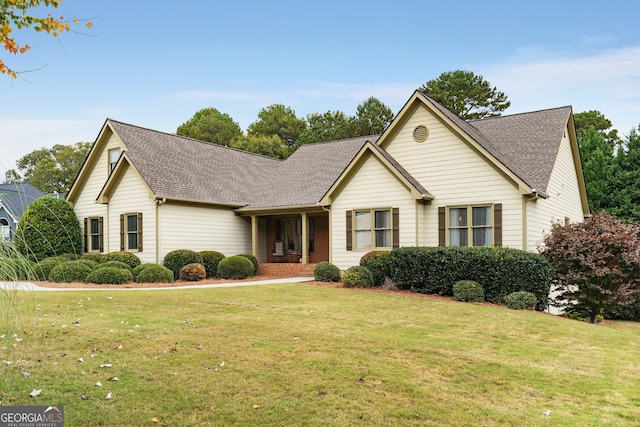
column 298, row 354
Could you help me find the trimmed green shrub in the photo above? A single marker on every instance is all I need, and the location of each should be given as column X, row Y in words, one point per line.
column 138, row 268
column 93, row 256
column 110, row 275
column 193, row 272
column 177, row 259
column 48, row 227
column 253, row 260
column 89, row 263
column 70, row 271
column 235, row 267
column 154, row 273
column 210, row 260
column 44, row 267
column 521, row 301
column 128, row 258
column 357, row 277
column 117, row 264
column 468, row 291
column 434, row 270
column 326, row 272
column 377, row 262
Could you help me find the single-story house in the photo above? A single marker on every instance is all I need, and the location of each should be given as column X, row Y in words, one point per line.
column 14, row 200
column 430, row 179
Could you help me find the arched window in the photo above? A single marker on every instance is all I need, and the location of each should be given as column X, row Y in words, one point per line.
column 5, row 230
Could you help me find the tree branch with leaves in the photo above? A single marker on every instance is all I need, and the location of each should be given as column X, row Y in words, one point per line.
column 21, row 14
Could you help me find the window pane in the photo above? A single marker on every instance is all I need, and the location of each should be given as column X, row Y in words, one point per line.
column 363, row 220
column 482, row 237
column 458, row 217
column 95, row 226
column 363, row 239
column 132, row 222
column 95, row 243
column 383, row 219
column 458, row 237
column 132, row 241
column 481, row 216
column 113, row 155
column 383, row 238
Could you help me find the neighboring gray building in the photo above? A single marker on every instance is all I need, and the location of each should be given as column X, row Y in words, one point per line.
column 14, row 200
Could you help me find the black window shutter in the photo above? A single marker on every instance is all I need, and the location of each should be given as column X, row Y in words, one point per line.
column 85, row 242
column 121, row 232
column 101, row 234
column 497, row 224
column 139, row 231
column 395, row 232
column 442, row 226
column 349, row 231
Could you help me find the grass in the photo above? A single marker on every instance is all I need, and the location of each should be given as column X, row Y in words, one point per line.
column 305, row 355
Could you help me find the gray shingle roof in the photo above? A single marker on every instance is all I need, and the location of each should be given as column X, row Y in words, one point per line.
column 528, row 143
column 16, row 198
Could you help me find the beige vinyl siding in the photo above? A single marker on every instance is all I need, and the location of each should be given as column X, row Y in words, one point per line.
column 455, row 174
column 373, row 186
column 132, row 196
column 86, row 205
column 564, row 198
column 203, row 228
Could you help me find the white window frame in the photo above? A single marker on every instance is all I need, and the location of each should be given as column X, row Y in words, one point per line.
column 372, row 229
column 114, row 155
column 468, row 224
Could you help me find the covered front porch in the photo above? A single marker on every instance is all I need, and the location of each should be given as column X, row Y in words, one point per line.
column 291, row 237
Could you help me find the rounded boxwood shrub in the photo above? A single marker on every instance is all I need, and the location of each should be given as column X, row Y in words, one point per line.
column 193, row 272
column 377, row 262
column 70, row 271
column 253, row 260
column 128, row 258
column 521, row 301
column 116, row 264
column 468, row 291
column 210, row 260
column 44, row 267
column 154, row 273
column 235, row 267
column 177, row 259
column 93, row 256
column 110, row 275
column 89, row 263
column 326, row 272
column 357, row 277
column 48, row 227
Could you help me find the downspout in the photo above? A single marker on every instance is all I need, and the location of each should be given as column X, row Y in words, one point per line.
column 158, row 203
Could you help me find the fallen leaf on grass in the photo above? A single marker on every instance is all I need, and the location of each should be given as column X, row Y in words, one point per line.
column 114, row 379
column 98, row 384
column 35, row 393
column 108, row 396
column 26, row 374
column 155, row 420
column 255, row 406
column 105, row 365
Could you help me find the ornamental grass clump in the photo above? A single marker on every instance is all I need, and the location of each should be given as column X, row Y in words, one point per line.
column 326, row 272
column 154, row 273
column 193, row 272
column 210, row 260
column 235, row 267
column 468, row 291
column 521, row 301
column 110, row 275
column 357, row 277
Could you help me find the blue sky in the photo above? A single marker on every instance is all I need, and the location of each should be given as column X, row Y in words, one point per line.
column 155, row 63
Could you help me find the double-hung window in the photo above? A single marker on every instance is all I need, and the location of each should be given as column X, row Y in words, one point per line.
column 372, row 228
column 131, row 232
column 470, row 226
column 94, row 234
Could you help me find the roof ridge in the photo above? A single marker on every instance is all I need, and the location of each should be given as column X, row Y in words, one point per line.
column 520, row 114
column 173, row 135
column 353, row 138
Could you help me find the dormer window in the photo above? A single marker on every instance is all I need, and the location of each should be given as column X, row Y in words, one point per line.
column 114, row 155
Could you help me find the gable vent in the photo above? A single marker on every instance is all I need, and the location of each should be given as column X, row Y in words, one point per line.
column 420, row 133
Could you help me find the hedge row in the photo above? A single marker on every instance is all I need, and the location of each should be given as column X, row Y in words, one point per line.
column 500, row 271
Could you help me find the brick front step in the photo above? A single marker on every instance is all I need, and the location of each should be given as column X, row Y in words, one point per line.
column 285, row 269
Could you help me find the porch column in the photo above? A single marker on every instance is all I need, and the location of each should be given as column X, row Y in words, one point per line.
column 254, row 236
column 305, row 239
